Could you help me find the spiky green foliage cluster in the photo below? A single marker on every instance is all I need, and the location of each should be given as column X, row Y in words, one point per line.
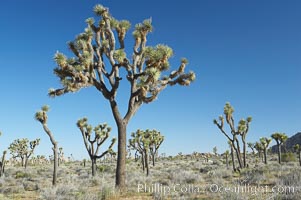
column 265, row 142
column 144, row 140
column 297, row 148
column 258, row 146
column 41, row 115
column 97, row 42
column 101, row 133
column 280, row 138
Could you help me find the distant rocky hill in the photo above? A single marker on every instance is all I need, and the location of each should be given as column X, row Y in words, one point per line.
column 290, row 142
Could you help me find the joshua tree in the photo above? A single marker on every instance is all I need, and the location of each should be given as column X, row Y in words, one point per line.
column 42, row 117
column 141, row 142
column 298, row 151
column 98, row 61
column 23, row 149
column 156, row 140
column 259, row 148
column 92, row 144
column 280, row 138
column 2, row 164
column 252, row 147
column 60, row 156
column 265, row 142
column 242, row 130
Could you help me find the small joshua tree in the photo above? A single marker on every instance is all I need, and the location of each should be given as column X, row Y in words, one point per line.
column 156, row 140
column 214, row 150
column 92, row 144
column 252, row 147
column 241, row 130
column 297, row 149
column 265, row 142
column 23, row 149
column 60, row 156
column 42, row 117
column 99, row 57
column 141, row 141
column 280, row 138
column 259, row 149
column 2, row 164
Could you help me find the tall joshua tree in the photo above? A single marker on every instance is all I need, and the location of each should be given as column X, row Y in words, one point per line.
column 98, row 60
column 265, row 142
column 92, row 144
column 156, row 139
column 23, row 148
column 298, row 151
column 241, row 130
column 280, row 138
column 42, row 117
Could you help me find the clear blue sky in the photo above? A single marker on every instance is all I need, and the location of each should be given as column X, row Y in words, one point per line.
column 244, row 52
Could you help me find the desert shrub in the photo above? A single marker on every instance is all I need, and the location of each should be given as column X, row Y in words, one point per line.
column 253, row 176
column 293, row 178
column 188, row 177
column 205, row 169
column 217, row 162
column 103, row 168
column 30, row 186
column 106, row 192
column 288, row 157
column 20, row 174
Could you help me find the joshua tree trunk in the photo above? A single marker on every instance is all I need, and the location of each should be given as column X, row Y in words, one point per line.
column 121, row 155
column 237, row 149
column 2, row 164
column 143, row 161
column 279, row 153
column 26, row 161
column 244, row 151
column 146, row 162
column 93, row 160
column 265, row 156
column 55, row 163
column 233, row 159
column 55, row 153
column 22, row 161
column 299, row 157
column 153, row 159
